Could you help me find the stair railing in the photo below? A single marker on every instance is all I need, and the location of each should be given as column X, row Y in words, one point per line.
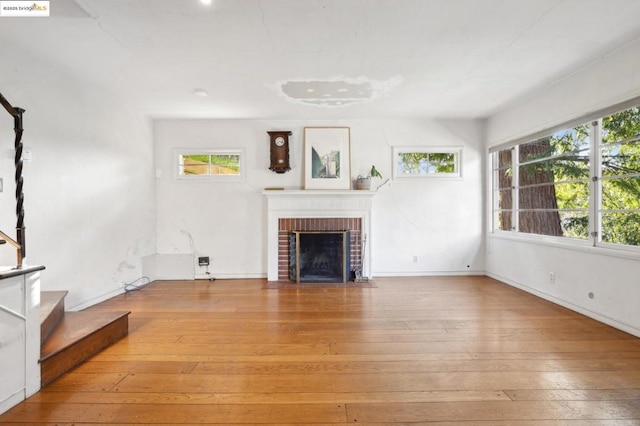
column 19, row 242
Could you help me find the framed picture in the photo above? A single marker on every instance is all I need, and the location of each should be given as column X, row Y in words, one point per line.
column 327, row 158
column 427, row 162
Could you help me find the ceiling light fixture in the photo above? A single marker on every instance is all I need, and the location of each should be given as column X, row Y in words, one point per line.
column 201, row 93
column 207, row 2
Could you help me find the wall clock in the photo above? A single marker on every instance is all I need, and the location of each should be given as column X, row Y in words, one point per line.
column 279, row 146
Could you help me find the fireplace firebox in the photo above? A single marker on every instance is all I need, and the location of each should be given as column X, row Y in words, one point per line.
column 319, row 256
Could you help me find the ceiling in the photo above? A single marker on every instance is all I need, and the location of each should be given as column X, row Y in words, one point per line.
column 303, row 59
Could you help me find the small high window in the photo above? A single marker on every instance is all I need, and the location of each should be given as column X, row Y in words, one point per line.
column 211, row 164
column 412, row 162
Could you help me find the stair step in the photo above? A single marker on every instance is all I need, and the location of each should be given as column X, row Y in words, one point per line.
column 79, row 336
column 51, row 312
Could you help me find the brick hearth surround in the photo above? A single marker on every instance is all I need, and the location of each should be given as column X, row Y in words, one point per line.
column 317, row 210
column 286, row 225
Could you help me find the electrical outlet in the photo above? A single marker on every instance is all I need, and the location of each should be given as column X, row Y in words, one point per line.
column 203, row 261
column 552, row 277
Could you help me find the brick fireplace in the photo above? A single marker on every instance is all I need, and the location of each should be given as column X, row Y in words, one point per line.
column 287, row 225
column 317, row 210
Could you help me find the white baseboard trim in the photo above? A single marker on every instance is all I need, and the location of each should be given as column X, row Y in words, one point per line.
column 96, row 300
column 12, row 400
column 229, row 276
column 586, row 312
column 428, row 274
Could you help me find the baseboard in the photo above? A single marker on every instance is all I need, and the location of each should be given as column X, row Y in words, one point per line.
column 564, row 303
column 229, row 276
column 428, row 274
column 95, row 300
column 12, row 400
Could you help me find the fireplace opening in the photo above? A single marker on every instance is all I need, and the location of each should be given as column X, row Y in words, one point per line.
column 319, row 256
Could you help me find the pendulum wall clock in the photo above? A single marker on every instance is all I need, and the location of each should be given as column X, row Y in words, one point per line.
column 279, row 146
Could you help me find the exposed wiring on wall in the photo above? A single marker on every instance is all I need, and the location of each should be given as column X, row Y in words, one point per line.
column 132, row 286
column 209, row 274
column 388, row 181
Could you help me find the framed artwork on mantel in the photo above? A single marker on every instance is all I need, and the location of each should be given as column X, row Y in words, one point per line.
column 327, row 158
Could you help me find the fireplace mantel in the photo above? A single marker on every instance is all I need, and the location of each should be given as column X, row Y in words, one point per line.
column 282, row 204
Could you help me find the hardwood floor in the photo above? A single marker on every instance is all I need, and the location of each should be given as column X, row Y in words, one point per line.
column 447, row 350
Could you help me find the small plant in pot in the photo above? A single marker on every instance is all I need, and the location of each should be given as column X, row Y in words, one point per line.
column 364, row 183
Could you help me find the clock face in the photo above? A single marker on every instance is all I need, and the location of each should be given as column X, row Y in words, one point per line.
column 279, row 141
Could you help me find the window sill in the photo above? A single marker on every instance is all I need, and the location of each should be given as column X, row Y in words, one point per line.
column 631, row 253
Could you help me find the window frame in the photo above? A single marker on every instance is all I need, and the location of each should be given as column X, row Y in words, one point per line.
column 179, row 153
column 594, row 240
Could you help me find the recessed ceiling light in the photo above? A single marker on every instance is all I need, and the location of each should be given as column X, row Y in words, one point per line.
column 207, row 2
column 200, row 92
column 310, row 90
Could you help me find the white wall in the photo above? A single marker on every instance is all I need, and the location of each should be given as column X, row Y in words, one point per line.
column 89, row 190
column 613, row 280
column 438, row 221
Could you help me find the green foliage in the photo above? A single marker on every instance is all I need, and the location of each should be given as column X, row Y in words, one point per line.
column 374, row 172
column 620, row 191
column 202, row 158
column 199, row 164
column 427, row 162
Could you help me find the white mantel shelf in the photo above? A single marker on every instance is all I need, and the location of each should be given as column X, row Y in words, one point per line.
column 316, row 203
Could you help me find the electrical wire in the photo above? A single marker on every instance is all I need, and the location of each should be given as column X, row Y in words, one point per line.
column 209, row 273
column 130, row 287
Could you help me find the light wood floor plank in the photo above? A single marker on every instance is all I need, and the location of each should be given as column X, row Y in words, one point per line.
column 447, row 351
column 382, row 382
column 495, row 411
column 179, row 398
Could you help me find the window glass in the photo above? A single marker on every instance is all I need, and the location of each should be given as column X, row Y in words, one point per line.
column 426, row 162
column 553, row 184
column 620, row 184
column 216, row 163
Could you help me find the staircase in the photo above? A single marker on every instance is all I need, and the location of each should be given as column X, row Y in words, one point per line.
column 69, row 338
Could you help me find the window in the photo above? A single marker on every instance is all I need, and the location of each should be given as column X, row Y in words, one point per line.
column 414, row 162
column 213, row 164
column 581, row 183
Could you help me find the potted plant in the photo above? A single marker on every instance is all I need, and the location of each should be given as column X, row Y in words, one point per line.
column 364, row 183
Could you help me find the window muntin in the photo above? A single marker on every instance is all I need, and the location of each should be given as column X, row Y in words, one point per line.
column 561, row 179
column 213, row 164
